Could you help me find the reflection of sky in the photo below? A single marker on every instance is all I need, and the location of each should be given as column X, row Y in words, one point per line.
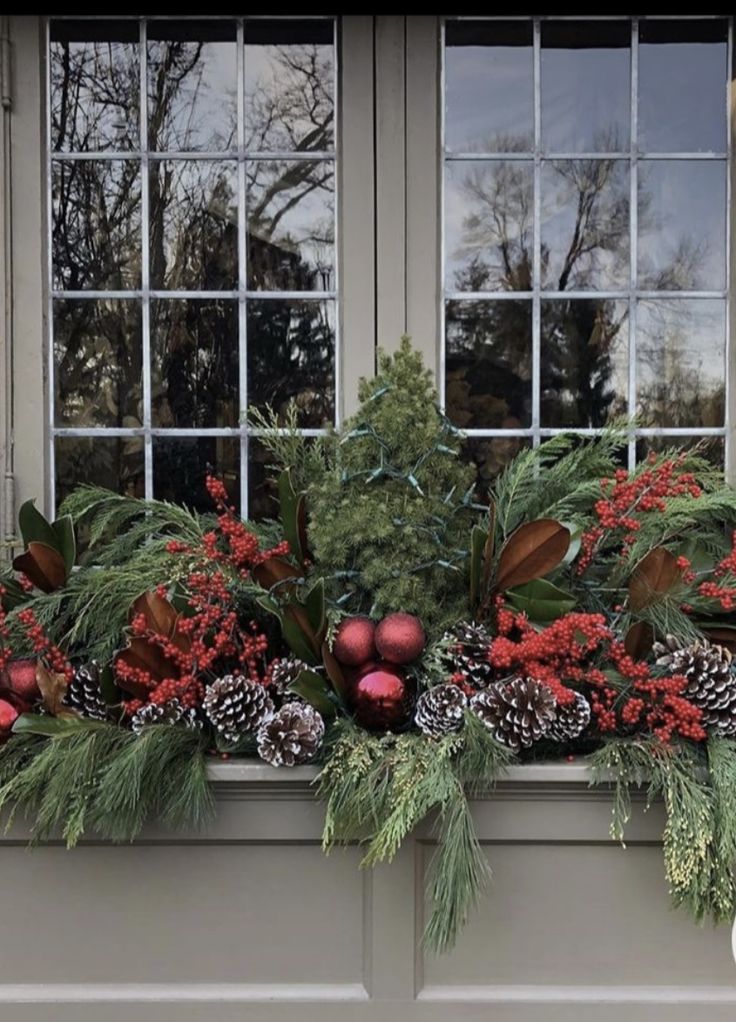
column 585, row 100
column 489, row 97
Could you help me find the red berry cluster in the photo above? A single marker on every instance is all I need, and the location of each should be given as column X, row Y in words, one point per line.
column 5, row 650
column 629, row 495
column 48, row 651
column 723, row 590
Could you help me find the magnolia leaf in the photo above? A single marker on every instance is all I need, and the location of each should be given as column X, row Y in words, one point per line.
column 639, row 639
column 540, row 600
column 296, row 638
column 144, row 655
column 289, row 503
column 274, row 571
column 334, row 672
column 52, row 727
column 108, row 689
column 52, row 687
column 314, row 604
column 43, row 565
column 65, row 541
column 313, row 687
column 721, row 635
column 34, row 528
column 655, row 574
column 576, row 541
column 162, row 617
column 478, row 538
column 531, row 552
column 13, row 595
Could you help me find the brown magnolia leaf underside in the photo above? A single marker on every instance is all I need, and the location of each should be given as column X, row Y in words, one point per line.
column 531, row 552
column 655, row 575
column 639, row 639
column 43, row 565
column 161, row 617
column 52, row 687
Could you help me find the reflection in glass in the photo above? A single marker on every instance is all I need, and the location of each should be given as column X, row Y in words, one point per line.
column 291, row 357
column 489, row 86
column 181, row 465
column 681, row 362
column 584, row 362
column 97, row 363
column 712, row 448
column 491, row 455
column 291, row 225
column 96, row 224
column 488, row 364
column 289, row 85
column 194, row 363
column 682, row 224
column 489, row 209
column 585, row 224
column 94, row 76
column 683, row 77
column 192, row 85
column 263, row 497
column 194, row 225
column 586, row 89
column 113, row 462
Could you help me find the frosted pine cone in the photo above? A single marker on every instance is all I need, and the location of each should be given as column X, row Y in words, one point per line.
column 711, row 683
column 237, row 706
column 517, row 712
column 291, row 736
column 171, row 712
column 84, row 694
column 284, row 673
column 570, row 721
column 466, row 652
column 441, row 710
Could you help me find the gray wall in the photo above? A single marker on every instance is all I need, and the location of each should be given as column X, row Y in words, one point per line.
column 251, row 921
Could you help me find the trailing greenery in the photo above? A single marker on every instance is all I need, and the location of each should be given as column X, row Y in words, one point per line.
column 378, row 789
column 87, row 777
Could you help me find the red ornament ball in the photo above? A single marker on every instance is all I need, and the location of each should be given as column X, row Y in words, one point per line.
column 400, row 638
column 8, row 717
column 355, row 641
column 20, row 677
column 382, row 698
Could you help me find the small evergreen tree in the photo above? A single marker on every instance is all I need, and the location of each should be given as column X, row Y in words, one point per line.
column 390, row 519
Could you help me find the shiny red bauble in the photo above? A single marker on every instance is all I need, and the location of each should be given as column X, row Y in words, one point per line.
column 20, row 677
column 382, row 697
column 355, row 641
column 8, row 717
column 400, row 638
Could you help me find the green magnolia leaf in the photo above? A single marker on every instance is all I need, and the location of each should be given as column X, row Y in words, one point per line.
column 108, row 689
column 52, row 727
column 478, row 538
column 297, row 641
column 67, row 545
column 34, row 528
column 13, row 596
column 313, row 687
column 314, row 604
column 540, row 600
column 289, row 505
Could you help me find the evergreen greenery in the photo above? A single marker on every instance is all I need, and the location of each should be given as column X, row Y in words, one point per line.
column 389, row 522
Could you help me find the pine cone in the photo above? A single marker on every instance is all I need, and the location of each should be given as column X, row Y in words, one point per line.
column 237, row 706
column 291, row 736
column 517, row 712
column 711, row 683
column 441, row 710
column 84, row 694
column 284, row 673
column 570, row 721
column 171, row 712
column 466, row 653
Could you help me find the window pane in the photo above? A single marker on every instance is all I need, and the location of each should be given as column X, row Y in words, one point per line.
column 489, row 364
column 181, row 465
column 291, row 225
column 291, row 357
column 289, row 85
column 489, row 209
column 192, row 86
column 95, row 81
column 491, row 455
column 584, row 362
column 98, row 363
column 712, row 448
column 113, row 462
column 585, row 224
column 682, row 86
column 194, row 363
column 194, row 225
column 96, row 227
column 586, row 86
column 263, row 497
column 489, row 86
column 681, row 362
column 682, row 224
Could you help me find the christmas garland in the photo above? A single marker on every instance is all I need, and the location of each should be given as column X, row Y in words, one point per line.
column 407, row 634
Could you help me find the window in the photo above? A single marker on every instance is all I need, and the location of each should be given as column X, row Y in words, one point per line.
column 586, row 230
column 193, row 274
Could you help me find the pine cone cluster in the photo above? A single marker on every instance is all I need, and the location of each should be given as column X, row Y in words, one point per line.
column 84, row 693
column 466, row 652
column 283, row 674
column 517, row 712
column 711, row 682
column 570, row 721
column 237, row 706
column 291, row 736
column 441, row 710
column 171, row 712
